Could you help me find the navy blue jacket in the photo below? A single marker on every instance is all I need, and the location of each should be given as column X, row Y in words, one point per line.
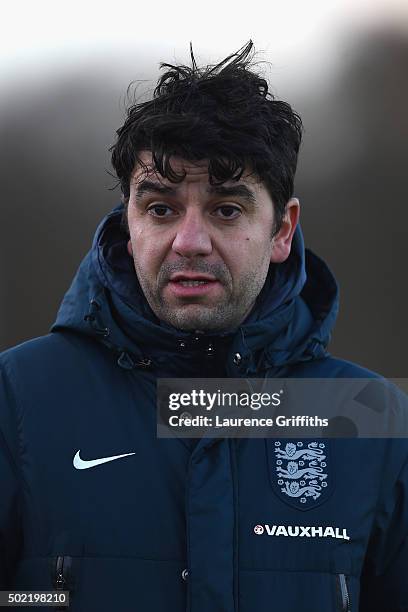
column 176, row 526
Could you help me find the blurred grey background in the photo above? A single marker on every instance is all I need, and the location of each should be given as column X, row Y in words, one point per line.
column 58, row 118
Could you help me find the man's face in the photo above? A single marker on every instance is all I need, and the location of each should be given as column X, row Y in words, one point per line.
column 201, row 252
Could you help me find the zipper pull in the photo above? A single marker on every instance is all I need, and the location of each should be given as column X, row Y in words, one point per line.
column 59, row 579
column 62, row 576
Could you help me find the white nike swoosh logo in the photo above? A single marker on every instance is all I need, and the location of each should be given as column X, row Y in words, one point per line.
column 80, row 464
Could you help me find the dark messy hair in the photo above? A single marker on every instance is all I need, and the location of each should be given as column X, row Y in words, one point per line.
column 223, row 113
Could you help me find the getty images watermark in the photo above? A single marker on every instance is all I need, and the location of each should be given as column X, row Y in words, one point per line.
column 227, row 400
column 282, row 408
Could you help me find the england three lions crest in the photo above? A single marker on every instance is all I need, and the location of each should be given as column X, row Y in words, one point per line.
column 301, row 472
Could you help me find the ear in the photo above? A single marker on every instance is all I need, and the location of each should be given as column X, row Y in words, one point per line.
column 129, row 248
column 282, row 242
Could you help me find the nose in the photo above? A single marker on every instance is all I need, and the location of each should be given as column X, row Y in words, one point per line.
column 192, row 236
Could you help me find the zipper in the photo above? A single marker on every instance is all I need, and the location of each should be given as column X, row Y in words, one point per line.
column 233, row 444
column 62, row 574
column 59, row 578
column 344, row 592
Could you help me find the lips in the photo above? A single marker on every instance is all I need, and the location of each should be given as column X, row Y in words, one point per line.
column 193, row 283
column 184, row 285
column 191, row 277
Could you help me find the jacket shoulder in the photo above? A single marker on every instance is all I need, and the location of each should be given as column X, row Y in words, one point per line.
column 34, row 348
column 38, row 369
column 45, row 352
column 333, row 367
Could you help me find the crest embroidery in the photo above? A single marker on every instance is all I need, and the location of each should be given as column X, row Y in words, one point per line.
column 301, row 470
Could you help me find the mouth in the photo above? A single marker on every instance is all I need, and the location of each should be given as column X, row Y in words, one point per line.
column 192, row 283
column 182, row 285
column 186, row 278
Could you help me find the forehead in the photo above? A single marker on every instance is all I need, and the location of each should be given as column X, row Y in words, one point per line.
column 195, row 171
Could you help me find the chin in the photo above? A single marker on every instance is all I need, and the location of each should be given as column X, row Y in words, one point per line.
column 202, row 324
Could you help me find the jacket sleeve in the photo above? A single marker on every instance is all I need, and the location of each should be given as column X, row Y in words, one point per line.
column 384, row 583
column 10, row 510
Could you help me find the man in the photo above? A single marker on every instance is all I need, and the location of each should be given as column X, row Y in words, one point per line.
column 201, row 272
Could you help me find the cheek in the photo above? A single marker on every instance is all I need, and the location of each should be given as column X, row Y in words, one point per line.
column 253, row 248
column 138, row 236
column 253, row 255
column 242, row 257
column 136, row 232
column 148, row 254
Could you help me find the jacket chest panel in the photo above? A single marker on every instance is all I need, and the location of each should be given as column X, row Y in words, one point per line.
column 116, row 489
column 328, row 536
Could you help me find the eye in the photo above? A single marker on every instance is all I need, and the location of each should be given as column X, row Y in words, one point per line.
column 228, row 212
column 159, row 210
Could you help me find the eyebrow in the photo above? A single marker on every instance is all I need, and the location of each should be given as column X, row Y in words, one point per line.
column 151, row 187
column 241, row 191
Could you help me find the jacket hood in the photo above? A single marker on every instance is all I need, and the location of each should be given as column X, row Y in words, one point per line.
column 291, row 320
